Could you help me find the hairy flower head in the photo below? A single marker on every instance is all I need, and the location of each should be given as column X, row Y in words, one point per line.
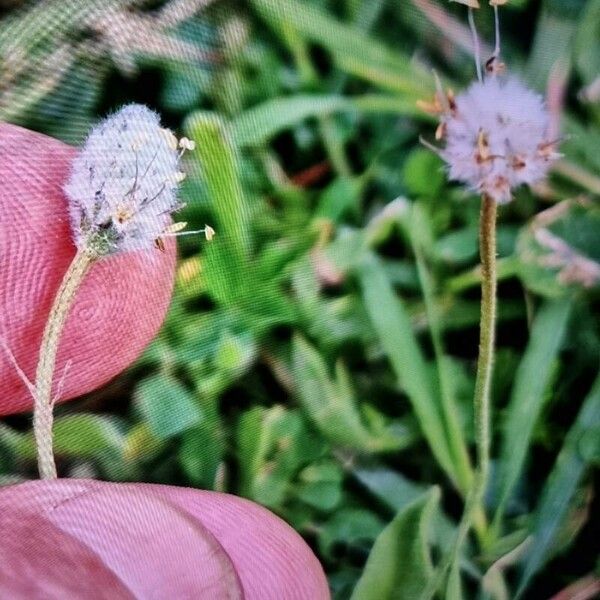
column 123, row 184
column 497, row 132
column 496, row 135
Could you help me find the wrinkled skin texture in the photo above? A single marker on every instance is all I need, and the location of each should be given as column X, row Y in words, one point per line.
column 91, row 539
column 118, row 309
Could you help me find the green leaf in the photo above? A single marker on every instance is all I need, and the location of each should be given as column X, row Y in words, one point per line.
column 587, row 44
column 141, row 443
column 183, row 86
column 458, row 247
column 320, row 485
column 419, row 230
column 234, row 354
column 260, row 123
column 340, row 197
column 530, row 391
column 80, row 436
column 202, row 451
column 167, row 406
column 562, row 484
column 226, row 256
column 394, row 328
column 330, row 403
column 396, row 491
column 392, row 488
column 273, row 445
column 553, row 41
column 423, row 173
column 350, row 527
column 399, row 565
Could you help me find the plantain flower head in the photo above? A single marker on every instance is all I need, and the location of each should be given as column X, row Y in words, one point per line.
column 123, row 184
column 496, row 134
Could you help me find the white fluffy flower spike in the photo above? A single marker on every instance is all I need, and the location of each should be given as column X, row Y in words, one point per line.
column 123, row 184
column 496, row 133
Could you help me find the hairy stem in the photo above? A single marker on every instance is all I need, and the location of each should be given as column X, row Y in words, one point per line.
column 485, row 362
column 43, row 399
column 487, row 334
column 456, row 438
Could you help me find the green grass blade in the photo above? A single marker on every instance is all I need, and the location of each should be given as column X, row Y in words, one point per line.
column 260, row 123
column 399, row 564
column 82, row 435
column 418, row 234
column 219, row 163
column 353, row 50
column 227, row 255
column 531, row 381
column 332, row 406
column 167, row 406
column 393, row 326
column 575, row 455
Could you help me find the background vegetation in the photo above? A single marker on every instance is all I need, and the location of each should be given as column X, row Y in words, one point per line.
column 319, row 354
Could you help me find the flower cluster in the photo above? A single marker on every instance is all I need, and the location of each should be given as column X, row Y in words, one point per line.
column 496, row 133
column 496, row 137
column 123, row 184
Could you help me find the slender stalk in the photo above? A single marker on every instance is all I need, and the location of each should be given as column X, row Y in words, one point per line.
column 485, row 362
column 487, row 335
column 476, row 45
column 43, row 400
column 449, row 407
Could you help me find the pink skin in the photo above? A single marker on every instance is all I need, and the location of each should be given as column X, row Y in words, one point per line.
column 118, row 309
column 91, row 539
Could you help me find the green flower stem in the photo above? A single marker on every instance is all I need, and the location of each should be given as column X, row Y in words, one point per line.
column 43, row 400
column 473, row 512
column 457, row 443
column 487, row 335
column 485, row 365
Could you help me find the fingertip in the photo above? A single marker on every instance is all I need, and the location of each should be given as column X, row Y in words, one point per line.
column 121, row 304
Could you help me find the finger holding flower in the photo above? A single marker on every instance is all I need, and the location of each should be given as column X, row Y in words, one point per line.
column 122, row 191
column 103, row 333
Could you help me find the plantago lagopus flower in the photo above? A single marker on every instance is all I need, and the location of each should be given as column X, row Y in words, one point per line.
column 123, row 184
column 122, row 192
column 496, row 133
column 496, row 138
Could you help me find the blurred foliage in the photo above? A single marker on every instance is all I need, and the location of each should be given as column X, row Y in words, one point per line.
column 319, row 353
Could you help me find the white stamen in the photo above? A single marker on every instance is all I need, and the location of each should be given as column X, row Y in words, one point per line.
column 186, row 144
column 208, row 232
